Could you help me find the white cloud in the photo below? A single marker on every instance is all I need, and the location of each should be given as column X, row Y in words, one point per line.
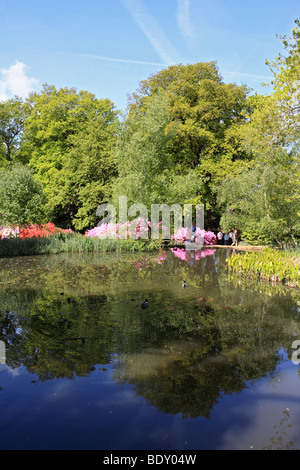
column 14, row 81
column 152, row 31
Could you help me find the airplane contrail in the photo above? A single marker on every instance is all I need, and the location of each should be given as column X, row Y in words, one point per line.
column 116, row 59
column 152, row 31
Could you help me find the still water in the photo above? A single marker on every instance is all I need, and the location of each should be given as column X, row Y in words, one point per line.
column 207, row 366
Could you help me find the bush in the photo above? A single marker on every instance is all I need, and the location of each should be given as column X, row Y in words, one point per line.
column 256, row 236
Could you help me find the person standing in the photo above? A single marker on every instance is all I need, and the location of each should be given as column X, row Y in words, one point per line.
column 220, row 237
column 193, row 230
column 226, row 239
column 235, row 238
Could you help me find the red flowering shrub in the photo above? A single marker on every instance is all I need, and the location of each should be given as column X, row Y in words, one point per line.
column 41, row 230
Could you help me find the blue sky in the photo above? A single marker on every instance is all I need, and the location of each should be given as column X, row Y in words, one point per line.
column 108, row 46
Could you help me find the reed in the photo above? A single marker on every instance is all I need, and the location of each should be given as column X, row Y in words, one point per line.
column 70, row 243
column 270, row 265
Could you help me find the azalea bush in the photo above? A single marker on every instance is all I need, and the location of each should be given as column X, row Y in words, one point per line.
column 9, row 232
column 140, row 228
column 31, row 231
column 41, row 230
column 137, row 229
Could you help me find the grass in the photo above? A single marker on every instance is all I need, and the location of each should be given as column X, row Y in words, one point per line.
column 70, row 243
column 270, row 265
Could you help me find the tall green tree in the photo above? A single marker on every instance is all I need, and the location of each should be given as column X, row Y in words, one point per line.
column 12, row 117
column 264, row 204
column 275, row 121
column 68, row 139
column 263, row 201
column 147, row 172
column 142, row 156
column 203, row 126
column 201, row 105
column 22, row 199
column 89, row 168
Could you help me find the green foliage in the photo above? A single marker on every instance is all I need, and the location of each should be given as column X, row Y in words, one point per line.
column 266, row 197
column 22, row 199
column 275, row 118
column 256, row 235
column 187, row 138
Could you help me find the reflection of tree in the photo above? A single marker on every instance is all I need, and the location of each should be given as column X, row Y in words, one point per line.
column 187, row 380
column 103, row 273
column 64, row 315
column 190, row 376
column 52, row 342
column 280, row 439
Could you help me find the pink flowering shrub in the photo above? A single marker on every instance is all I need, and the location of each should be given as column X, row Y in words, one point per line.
column 9, row 232
column 138, row 228
column 210, row 238
column 141, row 228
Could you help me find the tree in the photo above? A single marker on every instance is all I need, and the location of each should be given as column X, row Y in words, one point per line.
column 147, row 172
column 142, row 156
column 89, row 168
column 12, row 118
column 68, row 139
column 263, row 203
column 21, row 197
column 205, row 117
column 201, row 105
column 275, row 120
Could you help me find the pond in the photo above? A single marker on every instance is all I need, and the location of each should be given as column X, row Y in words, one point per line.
column 85, row 366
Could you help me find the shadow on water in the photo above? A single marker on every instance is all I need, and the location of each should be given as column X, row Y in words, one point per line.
column 175, row 371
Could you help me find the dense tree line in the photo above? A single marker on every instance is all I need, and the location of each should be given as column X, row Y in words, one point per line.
column 186, row 137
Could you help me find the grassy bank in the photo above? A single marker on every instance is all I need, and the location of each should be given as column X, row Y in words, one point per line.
column 270, row 265
column 70, row 243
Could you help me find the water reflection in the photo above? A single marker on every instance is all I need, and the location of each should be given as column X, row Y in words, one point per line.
column 62, row 316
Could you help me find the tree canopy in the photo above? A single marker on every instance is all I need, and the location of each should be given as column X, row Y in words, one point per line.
column 68, row 141
column 196, row 119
